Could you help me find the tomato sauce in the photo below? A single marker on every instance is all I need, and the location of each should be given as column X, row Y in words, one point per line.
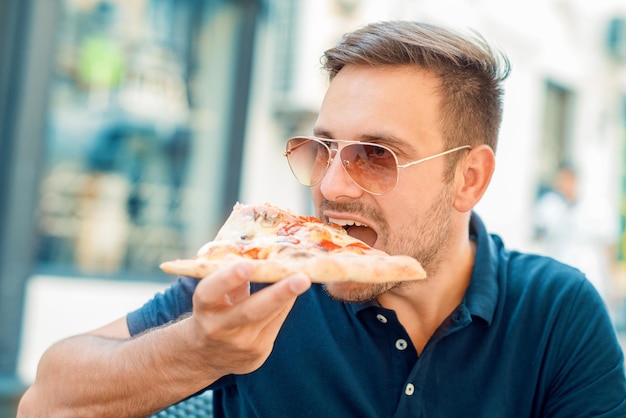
column 327, row 245
column 252, row 253
column 289, row 229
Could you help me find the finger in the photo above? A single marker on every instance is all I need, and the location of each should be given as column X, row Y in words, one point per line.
column 238, row 294
column 274, row 324
column 269, row 328
column 269, row 302
column 261, row 337
column 231, row 281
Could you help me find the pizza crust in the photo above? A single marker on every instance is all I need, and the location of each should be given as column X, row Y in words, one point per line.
column 320, row 268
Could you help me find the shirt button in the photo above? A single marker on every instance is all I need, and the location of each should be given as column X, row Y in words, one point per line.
column 381, row 318
column 409, row 389
column 401, row 344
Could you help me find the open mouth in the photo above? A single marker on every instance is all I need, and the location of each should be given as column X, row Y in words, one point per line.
column 357, row 230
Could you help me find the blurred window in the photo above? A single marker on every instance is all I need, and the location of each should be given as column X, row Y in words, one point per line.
column 136, row 128
column 556, row 140
column 622, row 241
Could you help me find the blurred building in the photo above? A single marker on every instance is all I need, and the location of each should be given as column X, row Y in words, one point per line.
column 129, row 128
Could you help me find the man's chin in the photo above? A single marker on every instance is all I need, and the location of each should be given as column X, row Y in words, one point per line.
column 353, row 292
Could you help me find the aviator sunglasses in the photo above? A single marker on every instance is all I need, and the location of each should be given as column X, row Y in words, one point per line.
column 373, row 167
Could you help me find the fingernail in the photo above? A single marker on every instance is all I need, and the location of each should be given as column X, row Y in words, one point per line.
column 299, row 283
column 243, row 268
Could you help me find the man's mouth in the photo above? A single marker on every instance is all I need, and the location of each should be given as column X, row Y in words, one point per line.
column 357, row 230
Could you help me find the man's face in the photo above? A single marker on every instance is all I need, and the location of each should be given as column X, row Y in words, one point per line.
column 397, row 107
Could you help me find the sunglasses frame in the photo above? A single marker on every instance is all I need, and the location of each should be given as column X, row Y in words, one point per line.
column 331, row 157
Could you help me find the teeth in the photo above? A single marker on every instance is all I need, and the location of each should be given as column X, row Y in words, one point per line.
column 345, row 222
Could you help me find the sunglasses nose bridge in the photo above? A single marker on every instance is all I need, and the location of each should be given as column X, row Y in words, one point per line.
column 333, row 154
column 347, row 163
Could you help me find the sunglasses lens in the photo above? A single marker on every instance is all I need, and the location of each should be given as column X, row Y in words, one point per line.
column 372, row 167
column 308, row 160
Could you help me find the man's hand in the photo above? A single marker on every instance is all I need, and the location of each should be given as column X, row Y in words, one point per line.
column 239, row 327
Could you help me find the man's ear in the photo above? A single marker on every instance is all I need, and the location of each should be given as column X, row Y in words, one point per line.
column 473, row 175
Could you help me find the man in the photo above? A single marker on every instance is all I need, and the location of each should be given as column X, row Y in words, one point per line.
column 573, row 232
column 489, row 333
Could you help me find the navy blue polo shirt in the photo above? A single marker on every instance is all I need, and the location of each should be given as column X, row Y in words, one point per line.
column 531, row 338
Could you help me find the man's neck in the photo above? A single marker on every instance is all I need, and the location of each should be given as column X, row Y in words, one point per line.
column 422, row 306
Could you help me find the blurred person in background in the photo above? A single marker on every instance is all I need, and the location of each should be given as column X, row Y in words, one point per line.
column 489, row 333
column 570, row 232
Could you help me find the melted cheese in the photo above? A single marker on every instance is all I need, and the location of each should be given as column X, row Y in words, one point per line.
column 262, row 231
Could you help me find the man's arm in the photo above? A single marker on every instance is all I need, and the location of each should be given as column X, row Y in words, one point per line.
column 108, row 373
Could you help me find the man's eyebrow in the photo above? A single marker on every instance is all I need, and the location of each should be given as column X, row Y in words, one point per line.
column 321, row 132
column 383, row 138
column 378, row 138
column 402, row 147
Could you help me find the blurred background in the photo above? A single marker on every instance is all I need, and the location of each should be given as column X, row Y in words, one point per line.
column 129, row 128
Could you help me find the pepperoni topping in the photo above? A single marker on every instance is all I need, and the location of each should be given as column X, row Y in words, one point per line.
column 289, row 229
column 252, row 253
column 327, row 245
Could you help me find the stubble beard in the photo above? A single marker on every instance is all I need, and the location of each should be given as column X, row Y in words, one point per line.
column 426, row 243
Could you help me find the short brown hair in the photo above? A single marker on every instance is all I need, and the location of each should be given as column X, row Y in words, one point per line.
column 471, row 72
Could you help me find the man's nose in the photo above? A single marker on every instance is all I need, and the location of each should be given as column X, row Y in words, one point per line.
column 337, row 182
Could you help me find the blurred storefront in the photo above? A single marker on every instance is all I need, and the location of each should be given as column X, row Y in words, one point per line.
column 140, row 104
column 122, row 126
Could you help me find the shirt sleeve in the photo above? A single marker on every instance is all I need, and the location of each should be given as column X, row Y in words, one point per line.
column 163, row 307
column 588, row 376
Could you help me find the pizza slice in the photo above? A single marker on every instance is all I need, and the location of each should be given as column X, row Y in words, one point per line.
column 282, row 243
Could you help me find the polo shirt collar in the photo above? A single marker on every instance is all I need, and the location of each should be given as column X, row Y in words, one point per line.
column 358, row 307
column 482, row 294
